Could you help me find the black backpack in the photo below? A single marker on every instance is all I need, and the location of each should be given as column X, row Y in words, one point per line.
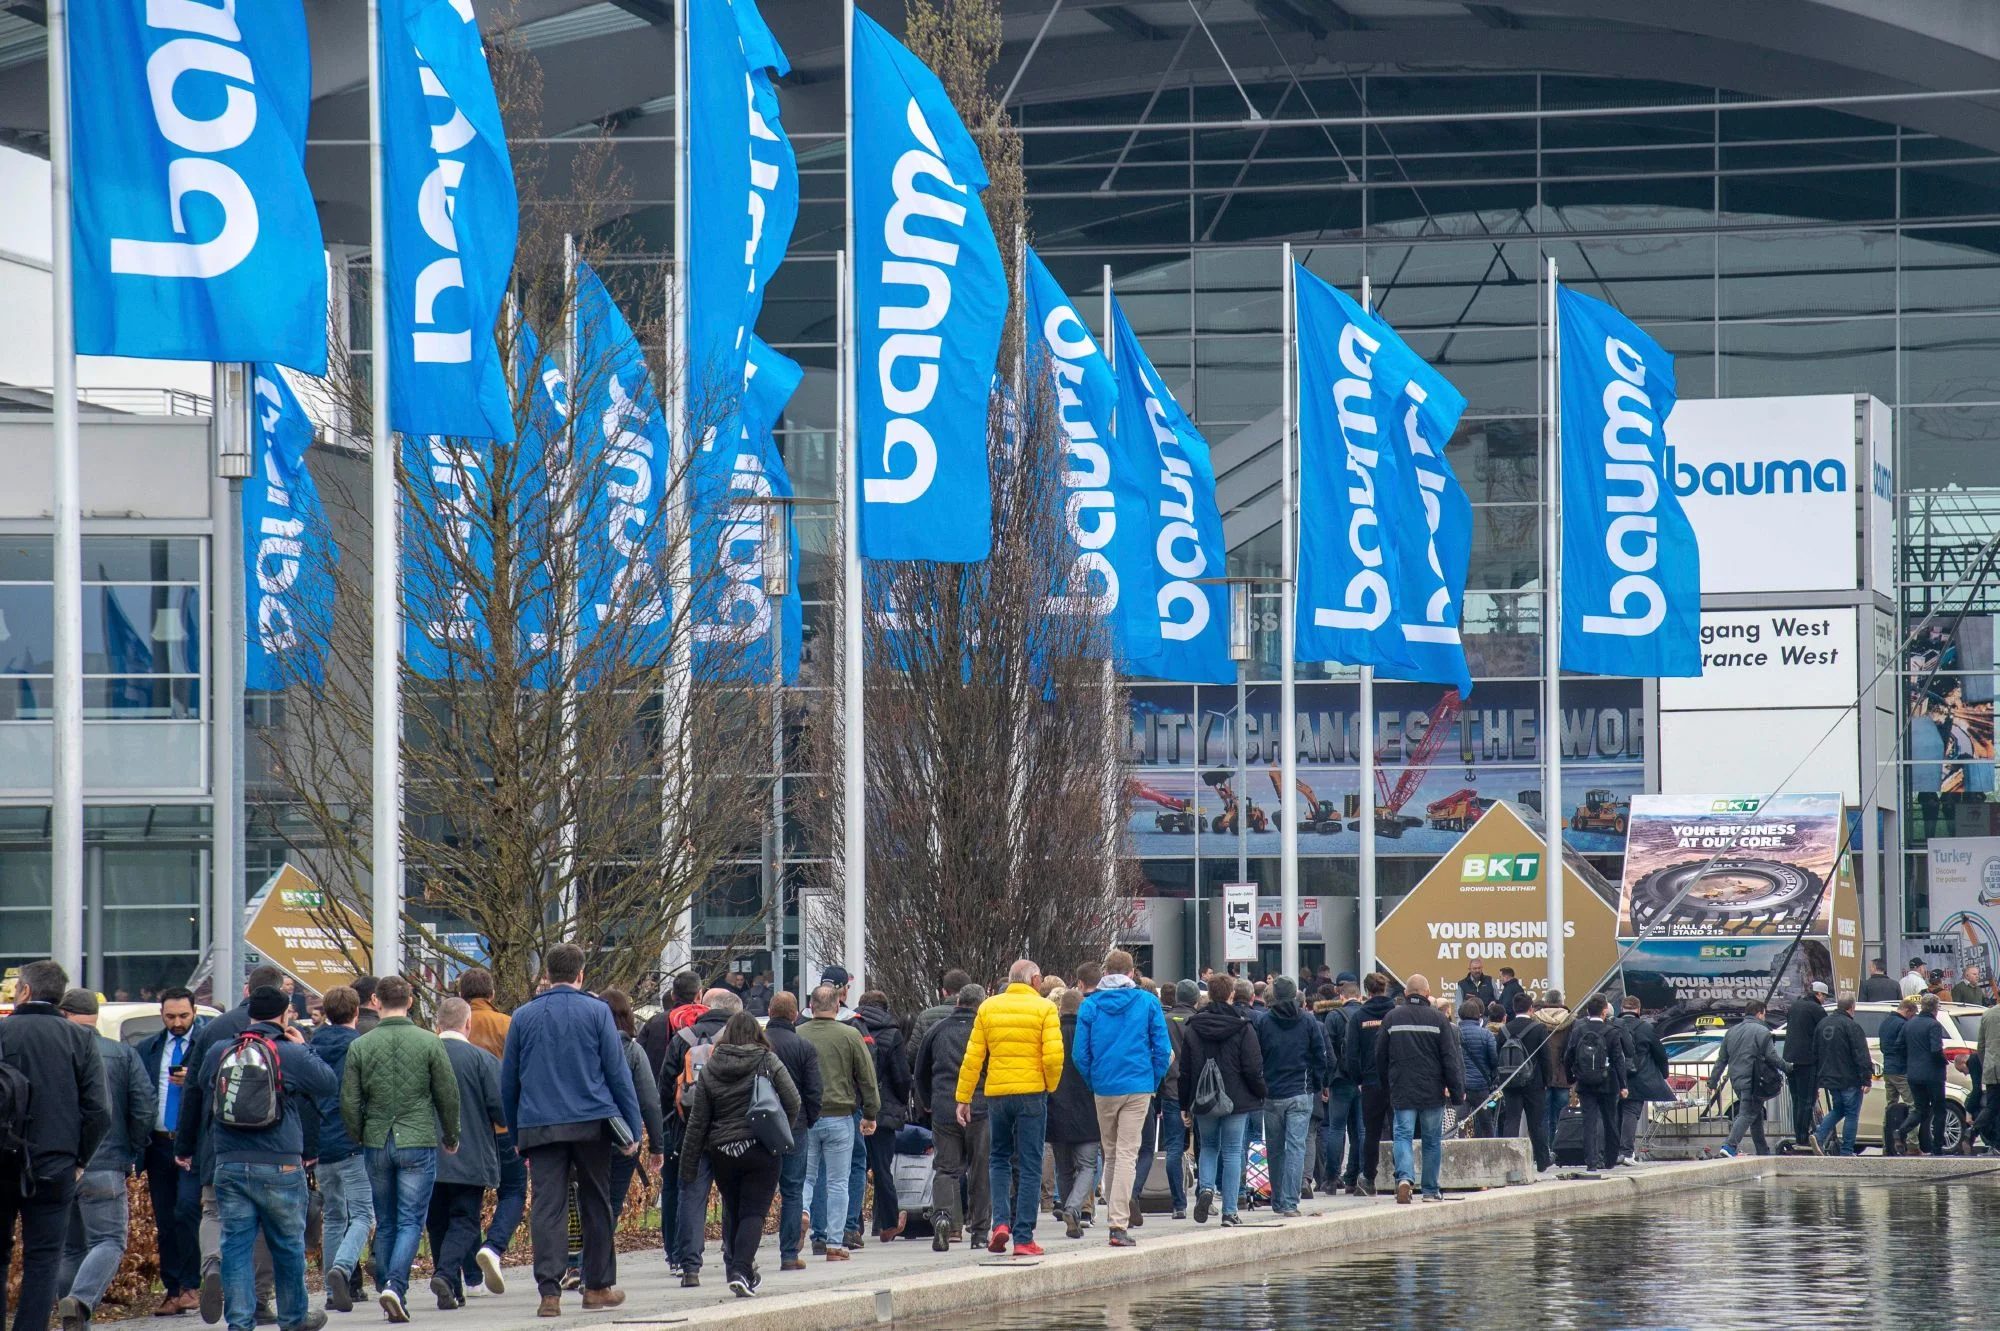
column 1592, row 1055
column 17, row 1107
column 1515, row 1063
column 250, row 1085
column 1211, row 1096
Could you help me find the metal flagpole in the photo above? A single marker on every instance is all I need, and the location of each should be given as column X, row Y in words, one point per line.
column 1288, row 686
column 676, row 688
column 569, row 610
column 387, row 808
column 1111, row 785
column 854, row 852
column 1551, row 735
column 1365, row 723
column 66, row 803
column 231, row 424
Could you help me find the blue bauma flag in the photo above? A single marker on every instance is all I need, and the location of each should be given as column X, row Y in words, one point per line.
column 196, row 235
column 622, row 440
column 1352, row 543
column 447, row 554
column 930, row 303
column 1186, row 525
column 451, row 224
column 1631, row 571
column 733, row 613
column 1108, row 480
column 540, row 450
column 1424, row 496
column 287, row 545
column 743, row 195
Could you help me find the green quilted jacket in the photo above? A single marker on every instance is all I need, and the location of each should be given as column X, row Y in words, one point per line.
column 399, row 1079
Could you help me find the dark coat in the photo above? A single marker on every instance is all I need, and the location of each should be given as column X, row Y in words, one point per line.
column 1333, row 1026
column 1615, row 1047
column 1221, row 1032
column 70, row 1115
column 647, row 1088
column 154, row 1047
column 705, row 1029
column 718, row 1109
column 1294, row 1051
column 1880, row 989
column 129, row 1097
column 1417, row 1057
column 1646, row 1078
column 801, row 1060
column 1802, row 1021
column 330, row 1042
column 1532, row 1035
column 1889, row 1038
column 1481, row 989
column 1923, row 1048
column 1842, row 1054
column 1072, row 1108
column 1505, row 998
column 892, row 1063
column 221, row 1029
column 1363, row 1025
column 477, row 1159
column 565, row 1065
column 307, row 1083
column 939, row 1057
column 1480, row 1055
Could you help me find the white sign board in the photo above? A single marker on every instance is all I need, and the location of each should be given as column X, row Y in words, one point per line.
column 1768, row 484
column 1239, row 922
column 1270, row 922
column 1771, row 658
column 1965, row 893
column 1804, row 748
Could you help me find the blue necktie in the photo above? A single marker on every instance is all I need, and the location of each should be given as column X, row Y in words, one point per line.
column 170, row 1116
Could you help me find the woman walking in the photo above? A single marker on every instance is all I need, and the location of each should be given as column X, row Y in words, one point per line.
column 718, row 1125
column 1221, row 1036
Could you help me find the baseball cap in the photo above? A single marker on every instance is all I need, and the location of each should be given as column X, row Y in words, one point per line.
column 834, row 975
column 1819, row 987
column 1347, row 977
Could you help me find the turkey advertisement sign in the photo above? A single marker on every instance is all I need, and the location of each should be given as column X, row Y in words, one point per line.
column 1730, row 866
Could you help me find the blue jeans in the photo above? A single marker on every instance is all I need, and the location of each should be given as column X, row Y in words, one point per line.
column 670, row 1195
column 857, row 1178
column 1221, row 1156
column 1846, row 1105
column 791, row 1200
column 95, row 1245
column 829, row 1153
column 1170, row 1144
column 1287, row 1138
column 510, row 1203
column 1430, row 1124
column 401, row 1177
column 1016, row 1127
column 347, row 1212
column 271, row 1199
column 1341, row 1125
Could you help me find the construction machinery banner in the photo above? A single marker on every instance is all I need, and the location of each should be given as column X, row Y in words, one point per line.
column 1486, row 901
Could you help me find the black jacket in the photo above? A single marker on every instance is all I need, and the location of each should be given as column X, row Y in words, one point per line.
column 1923, row 1048
column 1221, row 1032
column 718, row 1110
column 1363, row 1024
column 1841, row 1054
column 1614, row 1043
column 1532, row 1035
column 939, row 1057
column 801, row 1060
column 1802, row 1021
column 1177, row 1019
column 1294, row 1051
column 1481, row 989
column 1072, row 1108
column 1333, row 1029
column 1417, row 1057
column 707, row 1028
column 1646, row 1078
column 1505, row 998
column 892, row 1064
column 1881, row 989
column 68, row 1115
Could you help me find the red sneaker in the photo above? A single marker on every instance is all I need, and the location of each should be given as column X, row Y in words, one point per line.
column 998, row 1243
column 1028, row 1249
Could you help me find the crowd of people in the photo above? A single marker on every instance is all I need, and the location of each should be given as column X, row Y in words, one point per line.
column 407, row 1132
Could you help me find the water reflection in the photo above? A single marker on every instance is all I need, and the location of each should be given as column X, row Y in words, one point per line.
column 1775, row 1257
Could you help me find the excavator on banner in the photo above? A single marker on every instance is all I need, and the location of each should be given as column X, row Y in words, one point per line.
column 1321, row 816
column 1224, row 823
column 1175, row 814
column 1390, row 820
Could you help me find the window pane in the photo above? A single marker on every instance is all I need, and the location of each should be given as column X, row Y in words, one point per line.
column 169, row 930
column 27, row 629
column 141, row 630
column 151, row 877
column 24, row 936
column 24, row 877
column 141, row 559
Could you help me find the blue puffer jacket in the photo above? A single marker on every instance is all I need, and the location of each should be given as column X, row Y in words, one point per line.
column 1294, row 1051
column 330, row 1043
column 565, row 1063
column 1121, row 1039
column 1482, row 1057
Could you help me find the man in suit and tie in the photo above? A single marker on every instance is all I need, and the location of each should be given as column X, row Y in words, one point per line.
column 176, row 1194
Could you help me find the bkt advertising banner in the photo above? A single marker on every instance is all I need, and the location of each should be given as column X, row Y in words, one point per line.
column 1772, row 871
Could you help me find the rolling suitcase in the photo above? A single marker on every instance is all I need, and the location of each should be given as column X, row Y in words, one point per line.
column 1571, row 1138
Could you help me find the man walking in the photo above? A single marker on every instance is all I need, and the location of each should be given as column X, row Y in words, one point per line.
column 1123, row 1053
column 1880, row 986
column 1523, row 1072
column 100, row 1219
column 1364, row 1026
column 562, row 1082
column 347, row 1198
column 1340, row 1130
column 398, row 1097
column 1594, row 1058
column 1923, row 1052
column 1845, row 1071
column 64, row 1075
column 1896, row 1126
column 1646, row 1080
column 1169, row 1141
column 463, row 1176
column 1749, row 1056
column 175, row 1192
column 1418, row 1059
column 1559, row 1021
column 961, row 1184
column 247, row 1094
column 801, row 1062
column 846, row 1087
column 949, row 988
column 1294, row 1070
column 1016, row 1046
column 1802, row 1021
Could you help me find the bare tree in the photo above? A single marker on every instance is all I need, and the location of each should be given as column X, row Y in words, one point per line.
column 584, row 752
column 992, row 720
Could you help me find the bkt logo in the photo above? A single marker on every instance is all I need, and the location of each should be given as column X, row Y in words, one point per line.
column 1502, row 868
column 1735, row 806
column 1724, row 951
column 1794, row 476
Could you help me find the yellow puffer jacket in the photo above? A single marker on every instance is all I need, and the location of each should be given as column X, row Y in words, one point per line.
column 1017, row 1039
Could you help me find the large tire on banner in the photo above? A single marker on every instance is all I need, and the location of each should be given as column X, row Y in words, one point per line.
column 1731, row 894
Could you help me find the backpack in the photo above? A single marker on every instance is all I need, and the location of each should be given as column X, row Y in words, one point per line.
column 17, row 1107
column 1210, row 1095
column 698, row 1048
column 1593, row 1056
column 250, row 1085
column 1514, row 1062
